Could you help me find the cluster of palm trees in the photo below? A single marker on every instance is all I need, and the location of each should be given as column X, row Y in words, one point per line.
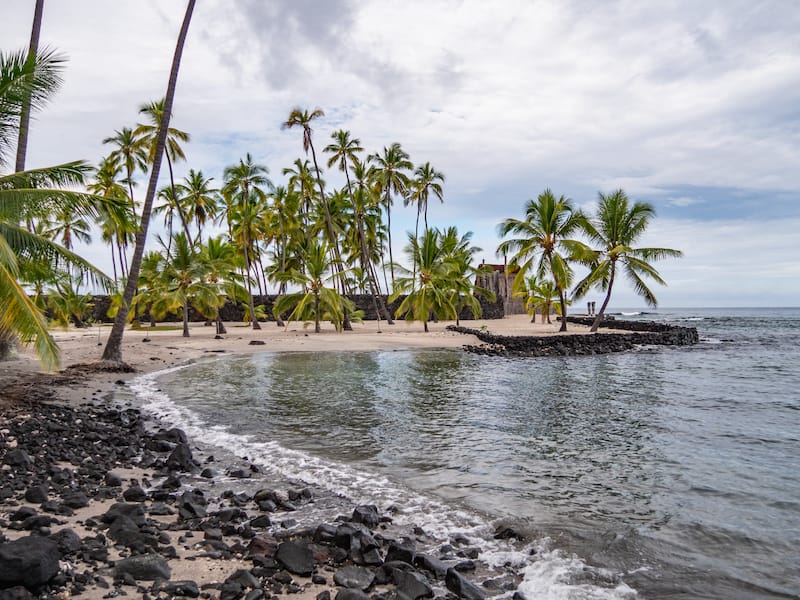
column 546, row 248
column 316, row 243
column 326, row 243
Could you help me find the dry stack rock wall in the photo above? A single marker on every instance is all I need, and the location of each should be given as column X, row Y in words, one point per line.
column 638, row 333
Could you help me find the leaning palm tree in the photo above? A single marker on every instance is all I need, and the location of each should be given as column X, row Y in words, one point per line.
column 615, row 228
column 390, row 172
column 543, row 245
column 112, row 353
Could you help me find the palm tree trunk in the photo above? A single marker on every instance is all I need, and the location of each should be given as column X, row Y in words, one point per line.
column 185, row 318
column 599, row 317
column 25, row 116
column 563, row 297
column 177, row 204
column 331, row 233
column 389, row 231
column 113, row 349
column 317, row 328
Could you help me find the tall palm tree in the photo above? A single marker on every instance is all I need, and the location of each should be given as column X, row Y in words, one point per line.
column 130, row 152
column 390, row 171
column 543, row 245
column 113, row 350
column 69, row 226
column 615, row 228
column 222, row 261
column 148, row 133
column 244, row 183
column 426, row 180
column 344, row 150
column 117, row 227
column 200, row 199
column 27, row 104
column 303, row 118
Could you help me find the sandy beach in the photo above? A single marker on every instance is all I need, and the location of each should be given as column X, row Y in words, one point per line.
column 148, row 350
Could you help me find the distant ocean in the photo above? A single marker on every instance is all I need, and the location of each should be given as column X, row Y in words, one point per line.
column 657, row 473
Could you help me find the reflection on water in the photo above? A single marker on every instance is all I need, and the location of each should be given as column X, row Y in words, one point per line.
column 681, row 463
column 563, row 434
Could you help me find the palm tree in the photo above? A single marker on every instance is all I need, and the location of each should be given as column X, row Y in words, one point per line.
column 303, row 118
column 430, row 289
column 541, row 295
column 27, row 102
column 28, row 197
column 200, row 200
column 116, row 228
column 427, row 180
column 69, row 226
column 615, row 228
column 543, row 245
column 113, row 350
column 459, row 252
column 184, row 276
column 244, row 183
column 319, row 299
column 222, row 262
column 131, row 152
column 390, row 173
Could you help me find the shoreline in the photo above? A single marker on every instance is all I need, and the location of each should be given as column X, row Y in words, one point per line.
column 28, row 392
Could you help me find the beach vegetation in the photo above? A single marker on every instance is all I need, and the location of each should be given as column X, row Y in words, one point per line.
column 614, row 229
column 544, row 245
column 28, row 199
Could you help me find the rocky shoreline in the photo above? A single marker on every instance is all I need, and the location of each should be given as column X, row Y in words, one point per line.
column 96, row 503
column 638, row 333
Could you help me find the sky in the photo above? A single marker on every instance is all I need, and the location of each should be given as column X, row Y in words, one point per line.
column 692, row 106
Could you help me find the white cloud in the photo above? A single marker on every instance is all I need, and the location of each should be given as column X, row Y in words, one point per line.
column 579, row 96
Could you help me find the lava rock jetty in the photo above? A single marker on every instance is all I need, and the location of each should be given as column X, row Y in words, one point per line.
column 640, row 333
column 59, row 459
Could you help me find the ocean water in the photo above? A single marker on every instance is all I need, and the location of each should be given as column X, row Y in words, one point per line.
column 657, row 473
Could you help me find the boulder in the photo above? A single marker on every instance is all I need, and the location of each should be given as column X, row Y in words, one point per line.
column 296, row 557
column 186, row 589
column 354, row 577
column 412, row 584
column 181, row 459
column 146, row 567
column 30, row 561
column 461, row 587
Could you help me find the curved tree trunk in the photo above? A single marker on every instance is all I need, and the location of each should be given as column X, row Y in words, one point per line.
column 113, row 349
column 599, row 317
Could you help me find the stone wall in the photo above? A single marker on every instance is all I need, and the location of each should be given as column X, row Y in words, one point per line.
column 642, row 334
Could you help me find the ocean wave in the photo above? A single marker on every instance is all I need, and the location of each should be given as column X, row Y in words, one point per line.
column 547, row 573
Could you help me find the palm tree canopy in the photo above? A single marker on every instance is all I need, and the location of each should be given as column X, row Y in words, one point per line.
column 21, row 80
column 303, row 118
column 615, row 228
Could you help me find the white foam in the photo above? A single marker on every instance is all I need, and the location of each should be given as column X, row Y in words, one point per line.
column 547, row 575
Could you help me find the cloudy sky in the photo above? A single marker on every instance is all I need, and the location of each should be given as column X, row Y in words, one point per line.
column 693, row 106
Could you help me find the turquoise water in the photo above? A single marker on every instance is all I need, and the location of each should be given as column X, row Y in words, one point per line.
column 673, row 472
